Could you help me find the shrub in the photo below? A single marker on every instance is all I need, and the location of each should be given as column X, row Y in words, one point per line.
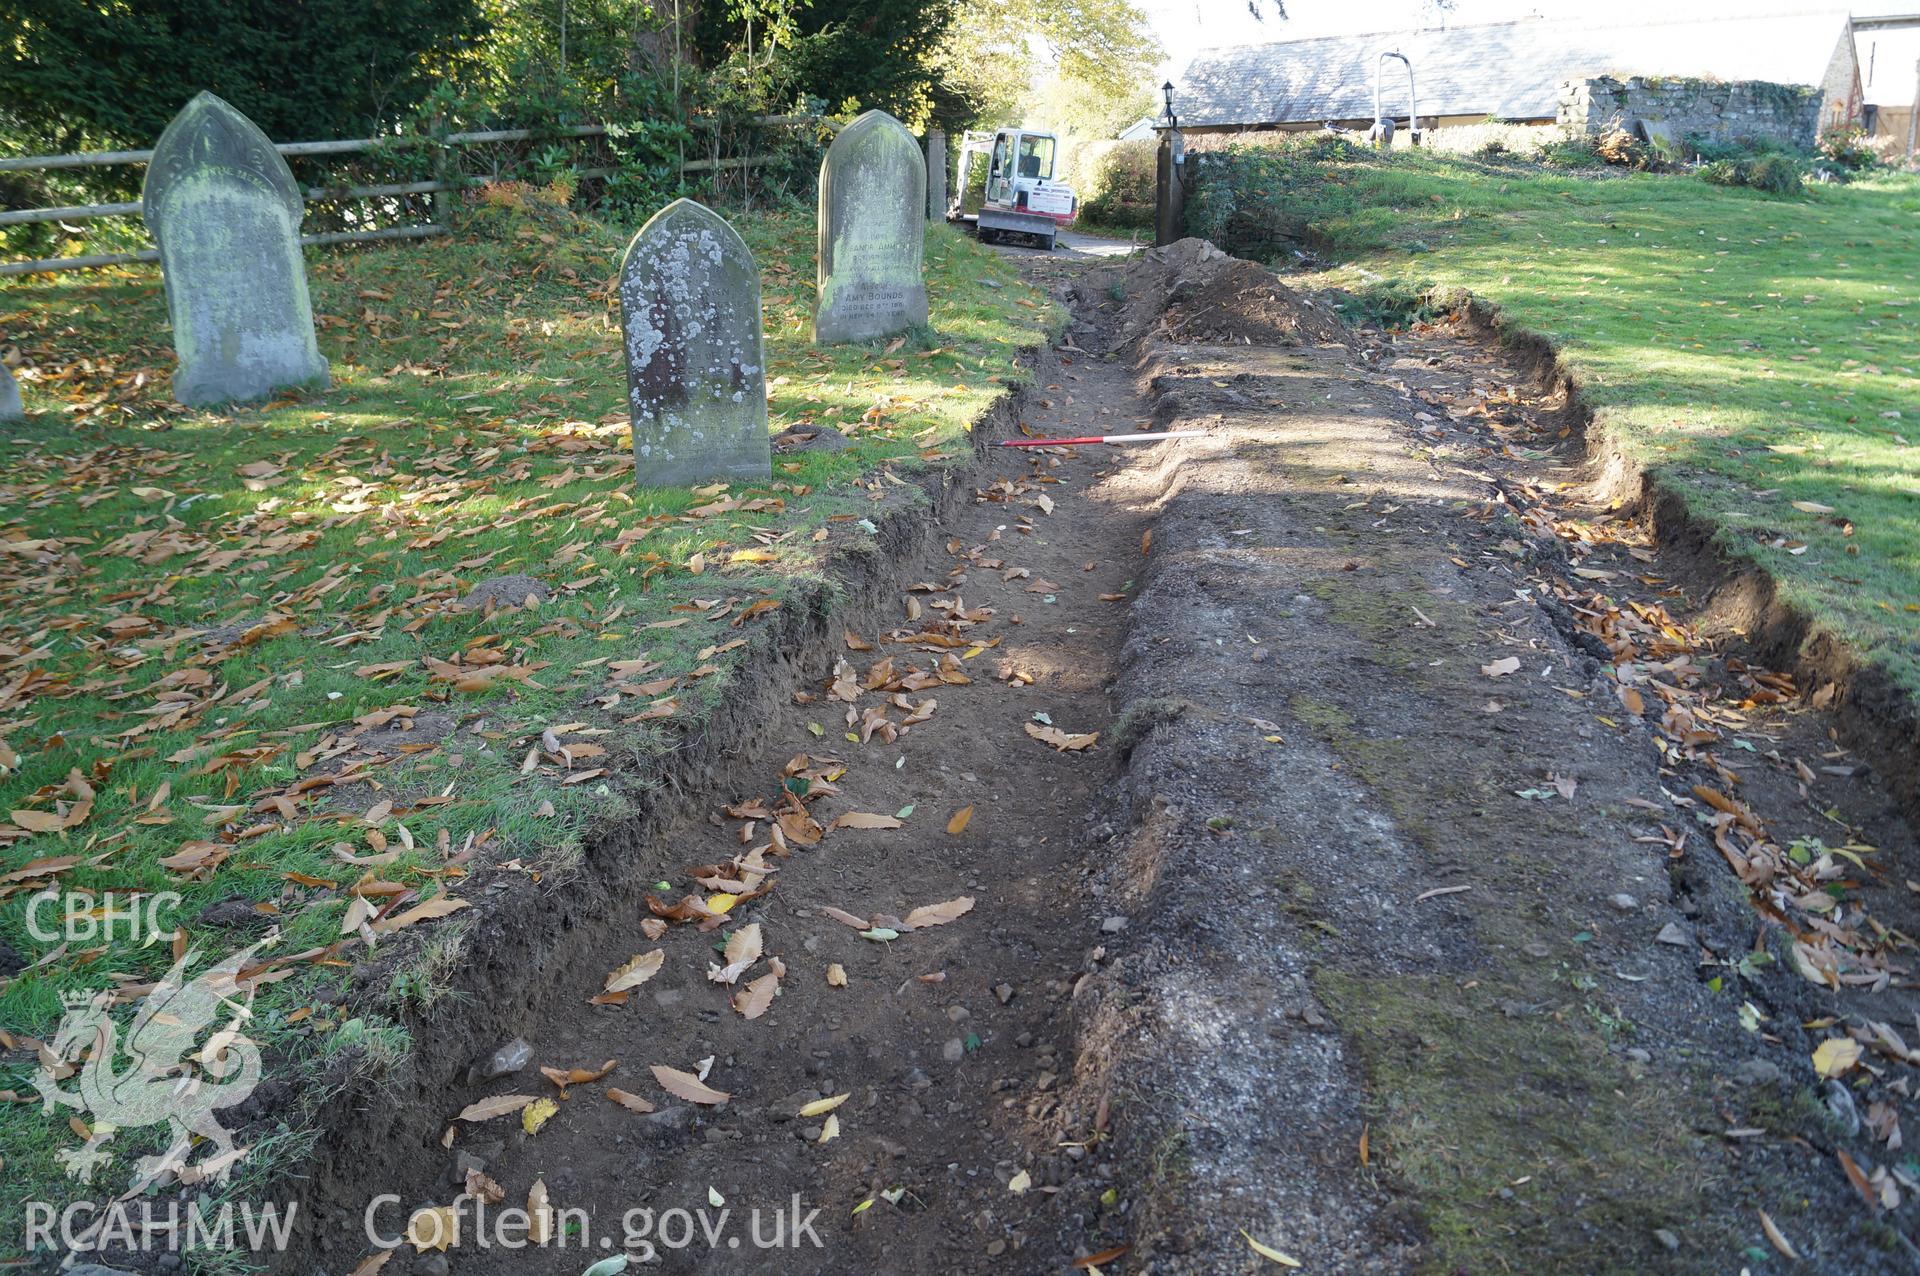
column 1247, row 197
column 1387, row 303
column 646, row 171
column 85, row 76
column 1744, row 149
column 1115, row 183
column 1320, row 148
column 1668, row 154
column 1848, row 146
column 1723, row 172
column 514, row 212
column 525, row 196
column 1571, row 152
column 1774, row 174
column 973, row 183
column 1618, row 145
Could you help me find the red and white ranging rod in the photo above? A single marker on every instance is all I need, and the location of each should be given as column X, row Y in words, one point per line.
column 1150, row 437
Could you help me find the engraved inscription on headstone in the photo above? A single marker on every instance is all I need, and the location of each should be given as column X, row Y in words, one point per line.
column 225, row 212
column 873, row 197
column 696, row 367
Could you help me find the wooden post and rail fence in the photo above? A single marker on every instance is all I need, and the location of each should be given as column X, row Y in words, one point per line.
column 443, row 184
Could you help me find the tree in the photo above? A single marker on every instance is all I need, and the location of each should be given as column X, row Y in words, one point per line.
column 944, row 63
column 574, row 61
column 1105, row 44
column 113, row 72
column 1079, row 111
column 873, row 53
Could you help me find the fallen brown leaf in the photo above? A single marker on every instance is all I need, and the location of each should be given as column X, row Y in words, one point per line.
column 684, row 1085
column 753, row 1000
column 637, row 971
column 575, row 1076
column 938, row 914
column 498, row 1106
column 1061, row 740
column 438, row 906
column 1774, row 1234
column 863, row 820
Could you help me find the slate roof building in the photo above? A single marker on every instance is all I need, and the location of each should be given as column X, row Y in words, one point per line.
column 1508, row 71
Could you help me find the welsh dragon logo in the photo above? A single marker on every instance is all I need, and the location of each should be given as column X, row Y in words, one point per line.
column 167, row 1076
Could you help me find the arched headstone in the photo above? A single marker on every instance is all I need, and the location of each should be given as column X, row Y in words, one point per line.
column 696, row 366
column 223, row 208
column 873, row 199
column 11, row 408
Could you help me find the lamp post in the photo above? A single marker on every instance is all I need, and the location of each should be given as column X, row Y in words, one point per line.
column 1168, row 220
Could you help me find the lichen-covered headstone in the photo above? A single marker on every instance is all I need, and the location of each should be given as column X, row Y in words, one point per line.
column 223, row 208
column 11, row 408
column 873, row 198
column 696, row 369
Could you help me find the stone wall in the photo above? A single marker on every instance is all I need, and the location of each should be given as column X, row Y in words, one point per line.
column 1675, row 110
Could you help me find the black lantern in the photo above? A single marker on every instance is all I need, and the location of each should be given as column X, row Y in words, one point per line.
column 1167, row 89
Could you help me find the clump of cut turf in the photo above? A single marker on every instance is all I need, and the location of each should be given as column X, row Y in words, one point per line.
column 1522, row 1135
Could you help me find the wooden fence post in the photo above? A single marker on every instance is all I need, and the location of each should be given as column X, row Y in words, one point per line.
column 936, row 175
column 1913, row 119
column 442, row 202
column 444, row 161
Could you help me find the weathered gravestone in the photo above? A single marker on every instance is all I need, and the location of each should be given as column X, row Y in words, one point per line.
column 224, row 209
column 11, row 408
column 873, row 199
column 696, row 369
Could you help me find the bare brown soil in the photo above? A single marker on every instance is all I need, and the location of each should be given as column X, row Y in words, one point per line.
column 951, row 1043
column 1458, row 981
column 1332, row 939
column 1197, row 293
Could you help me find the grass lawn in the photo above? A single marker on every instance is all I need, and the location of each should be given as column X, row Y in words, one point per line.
column 1761, row 353
column 230, row 663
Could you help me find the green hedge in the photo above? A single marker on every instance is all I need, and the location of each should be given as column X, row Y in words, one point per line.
column 1114, row 181
column 1244, row 196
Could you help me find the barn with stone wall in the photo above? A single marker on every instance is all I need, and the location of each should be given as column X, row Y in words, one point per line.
column 1718, row 77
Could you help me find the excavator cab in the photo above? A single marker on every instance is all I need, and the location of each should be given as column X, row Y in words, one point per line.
column 1021, row 196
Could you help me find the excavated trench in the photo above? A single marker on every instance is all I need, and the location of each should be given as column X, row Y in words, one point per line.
column 950, row 1042
column 1211, row 892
